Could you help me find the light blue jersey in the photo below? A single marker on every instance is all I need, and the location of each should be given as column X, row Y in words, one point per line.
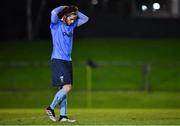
column 62, row 34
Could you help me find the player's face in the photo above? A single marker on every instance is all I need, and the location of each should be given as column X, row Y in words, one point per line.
column 71, row 19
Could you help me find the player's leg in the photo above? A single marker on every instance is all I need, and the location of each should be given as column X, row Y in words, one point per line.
column 61, row 75
column 60, row 95
column 57, row 98
column 63, row 108
column 67, row 87
column 56, row 66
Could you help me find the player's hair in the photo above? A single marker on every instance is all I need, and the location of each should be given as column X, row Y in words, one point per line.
column 67, row 11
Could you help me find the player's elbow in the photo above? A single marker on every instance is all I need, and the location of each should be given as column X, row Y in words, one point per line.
column 54, row 18
column 53, row 12
column 82, row 20
column 86, row 19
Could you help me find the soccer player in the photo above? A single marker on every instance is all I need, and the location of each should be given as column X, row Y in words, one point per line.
column 64, row 19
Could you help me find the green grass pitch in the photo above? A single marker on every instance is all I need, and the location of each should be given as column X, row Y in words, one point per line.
column 117, row 94
column 94, row 117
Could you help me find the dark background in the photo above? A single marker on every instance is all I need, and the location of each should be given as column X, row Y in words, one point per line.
column 108, row 18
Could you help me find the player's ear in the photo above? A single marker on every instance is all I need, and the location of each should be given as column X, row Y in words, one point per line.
column 64, row 17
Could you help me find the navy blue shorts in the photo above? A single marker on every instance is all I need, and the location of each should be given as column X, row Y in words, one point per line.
column 61, row 72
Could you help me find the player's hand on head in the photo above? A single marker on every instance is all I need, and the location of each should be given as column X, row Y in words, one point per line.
column 76, row 8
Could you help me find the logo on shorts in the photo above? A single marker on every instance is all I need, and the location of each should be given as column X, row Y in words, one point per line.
column 62, row 79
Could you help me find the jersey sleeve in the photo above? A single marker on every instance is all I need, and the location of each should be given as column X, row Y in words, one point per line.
column 82, row 19
column 54, row 14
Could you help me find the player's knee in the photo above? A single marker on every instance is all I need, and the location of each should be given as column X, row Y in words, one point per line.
column 67, row 88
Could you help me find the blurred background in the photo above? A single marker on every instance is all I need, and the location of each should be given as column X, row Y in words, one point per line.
column 126, row 56
column 108, row 18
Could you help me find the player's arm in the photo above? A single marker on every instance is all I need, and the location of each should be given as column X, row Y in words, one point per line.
column 54, row 14
column 81, row 19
